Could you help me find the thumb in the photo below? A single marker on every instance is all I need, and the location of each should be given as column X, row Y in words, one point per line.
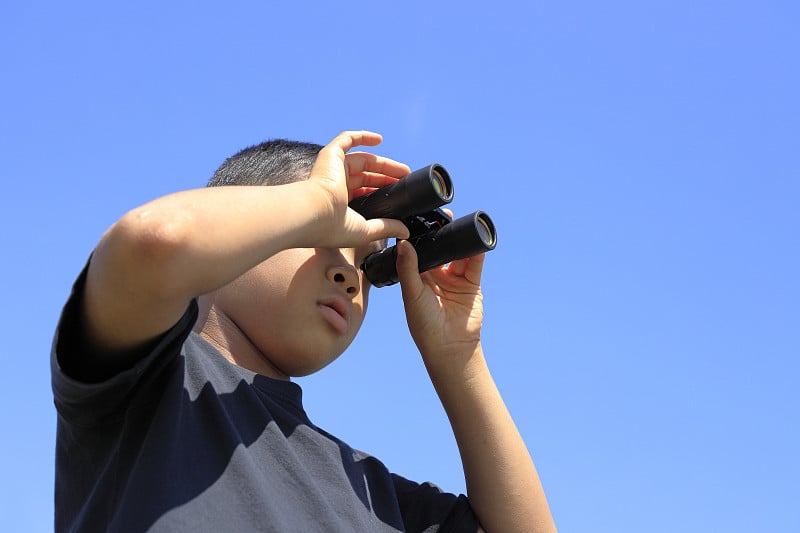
column 411, row 285
column 386, row 228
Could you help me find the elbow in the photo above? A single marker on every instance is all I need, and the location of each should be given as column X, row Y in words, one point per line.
column 151, row 235
column 147, row 244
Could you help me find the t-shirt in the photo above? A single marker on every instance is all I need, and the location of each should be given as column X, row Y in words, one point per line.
column 187, row 441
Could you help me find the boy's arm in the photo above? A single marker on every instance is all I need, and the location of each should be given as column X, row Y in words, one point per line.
column 444, row 311
column 156, row 258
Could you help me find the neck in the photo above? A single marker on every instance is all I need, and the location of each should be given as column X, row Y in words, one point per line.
column 228, row 338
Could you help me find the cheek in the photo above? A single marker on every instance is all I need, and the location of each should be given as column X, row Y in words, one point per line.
column 252, row 298
column 360, row 305
column 364, row 296
column 257, row 286
column 277, row 275
column 365, row 291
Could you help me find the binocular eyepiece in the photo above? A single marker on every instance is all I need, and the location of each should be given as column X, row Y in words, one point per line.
column 416, row 200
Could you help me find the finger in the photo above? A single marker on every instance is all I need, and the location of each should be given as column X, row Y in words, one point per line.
column 448, row 212
column 346, row 140
column 365, row 162
column 474, row 268
column 386, row 228
column 361, row 191
column 458, row 267
column 332, row 156
column 468, row 269
column 411, row 285
column 369, row 179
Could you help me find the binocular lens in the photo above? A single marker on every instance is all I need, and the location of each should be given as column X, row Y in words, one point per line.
column 486, row 230
column 440, row 184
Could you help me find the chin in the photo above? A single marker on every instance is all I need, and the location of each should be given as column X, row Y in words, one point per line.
column 303, row 371
column 309, row 357
column 308, row 366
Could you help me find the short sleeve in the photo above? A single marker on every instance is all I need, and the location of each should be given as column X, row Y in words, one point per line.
column 426, row 508
column 89, row 404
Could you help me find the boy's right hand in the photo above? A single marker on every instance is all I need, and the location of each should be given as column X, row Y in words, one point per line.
column 342, row 176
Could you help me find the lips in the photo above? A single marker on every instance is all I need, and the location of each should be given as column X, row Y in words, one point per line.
column 336, row 313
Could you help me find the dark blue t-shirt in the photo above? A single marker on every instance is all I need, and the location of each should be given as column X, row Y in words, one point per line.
column 186, row 441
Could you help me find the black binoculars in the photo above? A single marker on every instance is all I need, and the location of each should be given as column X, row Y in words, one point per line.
column 416, row 200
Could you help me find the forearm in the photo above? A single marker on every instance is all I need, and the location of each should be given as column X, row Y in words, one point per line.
column 502, row 483
column 201, row 239
column 157, row 257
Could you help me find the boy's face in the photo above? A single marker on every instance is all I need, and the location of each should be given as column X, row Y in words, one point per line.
column 301, row 308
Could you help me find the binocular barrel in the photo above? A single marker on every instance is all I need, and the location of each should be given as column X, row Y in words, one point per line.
column 422, row 190
column 416, row 199
column 464, row 237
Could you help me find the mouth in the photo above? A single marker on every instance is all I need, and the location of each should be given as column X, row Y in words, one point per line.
column 336, row 313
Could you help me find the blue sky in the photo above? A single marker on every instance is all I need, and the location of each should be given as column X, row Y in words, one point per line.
column 640, row 161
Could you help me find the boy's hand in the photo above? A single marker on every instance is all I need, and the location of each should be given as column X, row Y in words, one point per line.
column 444, row 311
column 342, row 177
column 444, row 306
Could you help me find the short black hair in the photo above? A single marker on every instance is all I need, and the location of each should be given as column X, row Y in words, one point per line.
column 273, row 162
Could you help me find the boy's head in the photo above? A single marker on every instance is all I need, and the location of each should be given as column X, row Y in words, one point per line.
column 275, row 162
column 297, row 311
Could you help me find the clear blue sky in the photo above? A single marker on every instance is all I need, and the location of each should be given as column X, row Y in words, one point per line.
column 640, row 160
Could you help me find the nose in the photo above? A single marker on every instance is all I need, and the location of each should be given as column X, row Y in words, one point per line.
column 345, row 277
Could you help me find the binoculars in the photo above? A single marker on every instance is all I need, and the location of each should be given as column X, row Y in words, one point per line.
column 416, row 200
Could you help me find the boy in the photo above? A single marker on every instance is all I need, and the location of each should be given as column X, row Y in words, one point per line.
column 162, row 428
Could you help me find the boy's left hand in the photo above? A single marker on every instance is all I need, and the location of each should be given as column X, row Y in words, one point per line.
column 444, row 306
column 444, row 309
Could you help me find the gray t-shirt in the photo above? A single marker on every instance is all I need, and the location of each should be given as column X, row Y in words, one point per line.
column 186, row 441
